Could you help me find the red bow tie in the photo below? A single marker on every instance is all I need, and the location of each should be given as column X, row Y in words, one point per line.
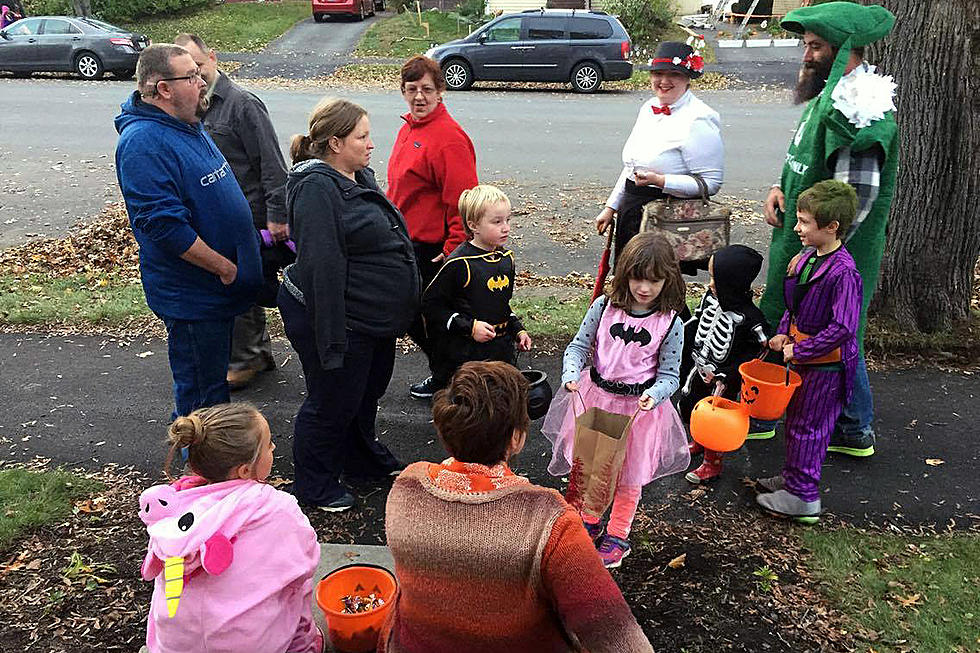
column 664, row 110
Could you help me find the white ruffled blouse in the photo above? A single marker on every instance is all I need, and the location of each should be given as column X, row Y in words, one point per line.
column 686, row 141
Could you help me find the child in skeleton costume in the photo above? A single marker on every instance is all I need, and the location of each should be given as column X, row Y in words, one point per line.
column 727, row 330
column 818, row 336
column 635, row 340
column 231, row 557
column 466, row 307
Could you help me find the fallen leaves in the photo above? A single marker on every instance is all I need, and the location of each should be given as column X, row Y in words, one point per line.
column 678, row 562
column 935, row 462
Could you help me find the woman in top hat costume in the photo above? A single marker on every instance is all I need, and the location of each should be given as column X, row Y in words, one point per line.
column 675, row 134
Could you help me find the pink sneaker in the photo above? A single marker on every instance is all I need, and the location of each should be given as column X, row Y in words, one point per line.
column 612, row 550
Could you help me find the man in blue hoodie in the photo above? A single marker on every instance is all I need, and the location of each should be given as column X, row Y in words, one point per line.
column 199, row 254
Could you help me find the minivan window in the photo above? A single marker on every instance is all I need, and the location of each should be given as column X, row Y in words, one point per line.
column 546, row 27
column 589, row 28
column 509, row 29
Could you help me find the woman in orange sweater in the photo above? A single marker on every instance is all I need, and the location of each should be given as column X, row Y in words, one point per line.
column 485, row 560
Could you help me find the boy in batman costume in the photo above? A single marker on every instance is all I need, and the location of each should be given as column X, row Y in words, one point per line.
column 472, row 292
column 727, row 330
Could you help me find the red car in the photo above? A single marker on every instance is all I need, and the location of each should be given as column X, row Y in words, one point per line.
column 357, row 8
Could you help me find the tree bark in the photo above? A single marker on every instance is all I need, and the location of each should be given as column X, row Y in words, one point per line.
column 934, row 227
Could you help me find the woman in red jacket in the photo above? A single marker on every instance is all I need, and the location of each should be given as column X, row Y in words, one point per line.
column 432, row 162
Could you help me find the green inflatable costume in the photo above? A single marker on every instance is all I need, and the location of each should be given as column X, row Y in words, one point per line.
column 823, row 130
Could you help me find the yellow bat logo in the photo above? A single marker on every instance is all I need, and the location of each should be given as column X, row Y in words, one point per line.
column 173, row 585
column 498, row 283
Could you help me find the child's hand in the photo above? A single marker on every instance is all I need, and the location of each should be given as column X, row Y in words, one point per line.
column 483, row 331
column 572, row 386
column 524, row 341
column 778, row 342
column 646, row 402
column 788, row 353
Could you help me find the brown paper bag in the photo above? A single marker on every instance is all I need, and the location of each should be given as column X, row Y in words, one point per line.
column 597, row 458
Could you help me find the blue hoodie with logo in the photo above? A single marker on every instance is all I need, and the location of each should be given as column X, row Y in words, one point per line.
column 177, row 187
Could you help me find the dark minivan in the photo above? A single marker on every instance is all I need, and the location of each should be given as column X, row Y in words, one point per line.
column 540, row 45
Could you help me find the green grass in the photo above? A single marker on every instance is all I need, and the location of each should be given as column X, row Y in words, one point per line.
column 36, row 299
column 401, row 35
column 235, row 27
column 917, row 594
column 29, row 499
column 551, row 316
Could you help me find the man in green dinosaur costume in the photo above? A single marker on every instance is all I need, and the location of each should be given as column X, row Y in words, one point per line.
column 847, row 132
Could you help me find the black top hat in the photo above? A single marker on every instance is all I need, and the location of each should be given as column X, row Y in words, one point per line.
column 678, row 57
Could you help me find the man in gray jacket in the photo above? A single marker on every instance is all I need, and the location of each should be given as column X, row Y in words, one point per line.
column 239, row 124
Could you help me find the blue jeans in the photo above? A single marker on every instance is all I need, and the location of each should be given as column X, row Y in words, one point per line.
column 199, row 352
column 856, row 417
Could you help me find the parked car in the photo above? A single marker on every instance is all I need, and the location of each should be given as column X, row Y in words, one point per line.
column 85, row 46
column 357, row 8
column 540, row 45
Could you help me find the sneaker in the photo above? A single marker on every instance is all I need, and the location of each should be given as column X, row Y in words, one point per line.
column 612, row 551
column 771, row 484
column 784, row 504
column 340, row 504
column 594, row 530
column 859, row 445
column 708, row 471
column 761, row 435
column 425, row 389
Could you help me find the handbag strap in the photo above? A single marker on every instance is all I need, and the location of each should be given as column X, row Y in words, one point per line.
column 702, row 186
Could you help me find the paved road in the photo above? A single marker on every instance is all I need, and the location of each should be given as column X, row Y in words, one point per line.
column 309, row 49
column 56, row 163
column 88, row 401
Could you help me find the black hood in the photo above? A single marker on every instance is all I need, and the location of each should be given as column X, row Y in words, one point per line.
column 734, row 269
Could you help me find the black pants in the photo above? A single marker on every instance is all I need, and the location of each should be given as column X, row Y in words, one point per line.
column 424, row 253
column 452, row 351
column 334, row 429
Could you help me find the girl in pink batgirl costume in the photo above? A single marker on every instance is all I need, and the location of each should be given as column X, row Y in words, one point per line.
column 231, row 558
column 634, row 339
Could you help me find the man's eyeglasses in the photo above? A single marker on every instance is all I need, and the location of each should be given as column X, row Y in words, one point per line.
column 190, row 78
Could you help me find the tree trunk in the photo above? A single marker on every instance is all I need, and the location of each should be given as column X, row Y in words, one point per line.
column 934, row 227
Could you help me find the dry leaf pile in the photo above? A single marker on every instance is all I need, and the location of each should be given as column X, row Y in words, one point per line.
column 730, row 581
column 97, row 248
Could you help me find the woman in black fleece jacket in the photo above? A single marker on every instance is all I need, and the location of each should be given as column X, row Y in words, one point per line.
column 353, row 289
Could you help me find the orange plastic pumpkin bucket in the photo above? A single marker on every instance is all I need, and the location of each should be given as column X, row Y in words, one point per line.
column 767, row 388
column 355, row 633
column 719, row 424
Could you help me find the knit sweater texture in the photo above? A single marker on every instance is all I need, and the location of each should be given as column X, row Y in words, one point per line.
column 496, row 564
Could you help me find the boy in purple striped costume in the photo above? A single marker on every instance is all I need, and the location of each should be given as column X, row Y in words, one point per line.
column 817, row 335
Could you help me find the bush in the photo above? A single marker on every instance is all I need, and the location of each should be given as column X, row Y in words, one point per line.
column 474, row 9
column 645, row 20
column 114, row 10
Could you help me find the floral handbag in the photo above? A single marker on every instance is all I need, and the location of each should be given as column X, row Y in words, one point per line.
column 695, row 228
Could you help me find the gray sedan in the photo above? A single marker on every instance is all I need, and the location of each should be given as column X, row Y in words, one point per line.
column 85, row 46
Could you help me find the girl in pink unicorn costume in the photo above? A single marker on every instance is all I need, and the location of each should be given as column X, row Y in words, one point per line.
column 634, row 338
column 232, row 559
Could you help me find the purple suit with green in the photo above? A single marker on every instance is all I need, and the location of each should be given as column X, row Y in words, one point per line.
column 828, row 307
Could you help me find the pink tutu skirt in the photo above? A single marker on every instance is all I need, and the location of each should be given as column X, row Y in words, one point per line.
column 657, row 440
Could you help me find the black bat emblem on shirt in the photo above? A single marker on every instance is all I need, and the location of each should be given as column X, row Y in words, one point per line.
column 630, row 334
